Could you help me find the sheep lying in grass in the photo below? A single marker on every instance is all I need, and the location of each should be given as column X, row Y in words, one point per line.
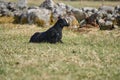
column 52, row 35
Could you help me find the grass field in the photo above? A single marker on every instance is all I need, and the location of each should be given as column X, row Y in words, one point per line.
column 93, row 55
column 89, row 55
column 77, row 4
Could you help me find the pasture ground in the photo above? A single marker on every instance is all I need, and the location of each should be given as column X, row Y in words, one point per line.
column 93, row 55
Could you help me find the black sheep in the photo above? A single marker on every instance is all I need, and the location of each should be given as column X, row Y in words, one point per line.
column 52, row 35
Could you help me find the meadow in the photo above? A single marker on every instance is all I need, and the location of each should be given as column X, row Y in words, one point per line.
column 89, row 55
column 77, row 4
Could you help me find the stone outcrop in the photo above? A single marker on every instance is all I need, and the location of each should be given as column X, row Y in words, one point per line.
column 105, row 17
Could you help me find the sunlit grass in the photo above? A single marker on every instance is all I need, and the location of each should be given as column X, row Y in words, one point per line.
column 92, row 55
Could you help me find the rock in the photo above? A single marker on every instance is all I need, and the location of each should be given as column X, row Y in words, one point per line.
column 79, row 14
column 2, row 5
column 108, row 9
column 118, row 20
column 22, row 19
column 92, row 20
column 11, row 6
column 22, row 4
column 6, row 12
column 60, row 10
column 117, row 9
column 48, row 4
column 49, row 11
column 83, row 23
column 109, row 16
column 61, row 5
column 69, row 8
column 90, row 9
column 106, row 25
column 7, row 8
column 88, row 14
column 102, row 14
column 17, row 16
column 116, row 27
column 39, row 16
column 72, row 21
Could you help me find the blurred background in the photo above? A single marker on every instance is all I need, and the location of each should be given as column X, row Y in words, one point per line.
column 78, row 3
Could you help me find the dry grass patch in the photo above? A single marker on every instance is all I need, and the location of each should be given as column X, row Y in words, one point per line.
column 6, row 19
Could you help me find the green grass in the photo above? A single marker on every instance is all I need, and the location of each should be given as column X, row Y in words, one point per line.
column 77, row 4
column 93, row 55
